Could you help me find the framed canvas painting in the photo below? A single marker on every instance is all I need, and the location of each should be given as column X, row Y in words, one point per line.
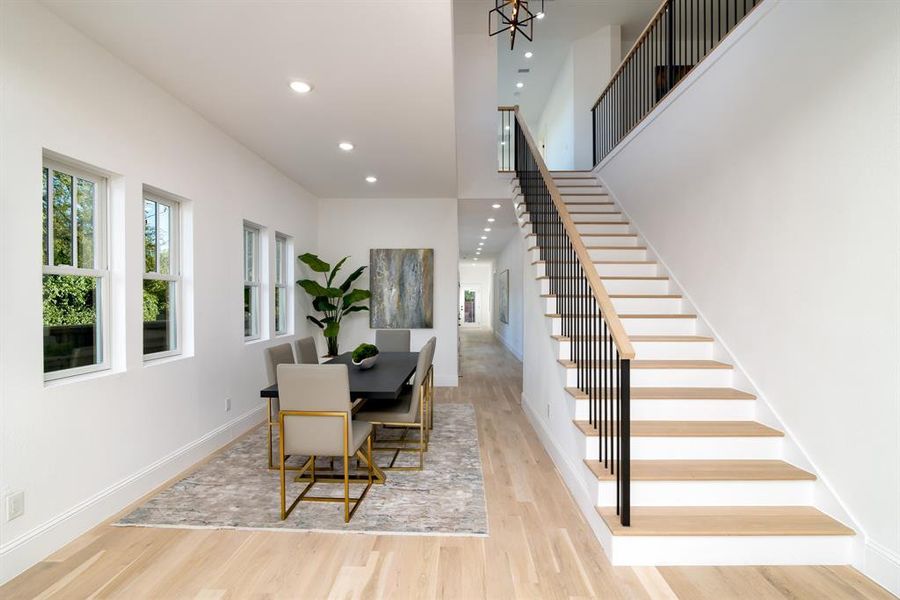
column 402, row 285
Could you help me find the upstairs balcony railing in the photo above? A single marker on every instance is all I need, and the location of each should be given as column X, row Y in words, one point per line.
column 506, row 139
column 598, row 347
column 680, row 34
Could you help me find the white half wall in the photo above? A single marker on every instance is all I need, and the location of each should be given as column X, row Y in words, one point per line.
column 769, row 186
column 82, row 449
column 511, row 258
column 353, row 227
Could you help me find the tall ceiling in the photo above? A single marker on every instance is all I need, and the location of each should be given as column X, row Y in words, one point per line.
column 473, row 218
column 382, row 74
column 565, row 21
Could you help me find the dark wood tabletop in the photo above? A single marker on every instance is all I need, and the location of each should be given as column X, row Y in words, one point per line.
column 383, row 381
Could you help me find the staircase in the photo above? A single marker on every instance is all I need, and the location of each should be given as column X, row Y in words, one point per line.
column 708, row 483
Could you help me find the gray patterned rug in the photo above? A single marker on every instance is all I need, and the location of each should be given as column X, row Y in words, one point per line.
column 235, row 490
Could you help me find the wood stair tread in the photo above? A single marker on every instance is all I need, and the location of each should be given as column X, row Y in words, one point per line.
column 705, row 470
column 675, row 393
column 600, row 262
column 688, row 429
column 724, row 521
column 628, row 315
column 657, row 364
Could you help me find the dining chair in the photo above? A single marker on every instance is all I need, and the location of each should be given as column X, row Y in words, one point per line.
column 392, row 340
column 277, row 355
column 407, row 412
column 315, row 420
column 429, row 391
column 306, row 351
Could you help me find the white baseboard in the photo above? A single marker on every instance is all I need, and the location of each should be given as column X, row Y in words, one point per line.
column 571, row 477
column 515, row 351
column 31, row 547
column 882, row 566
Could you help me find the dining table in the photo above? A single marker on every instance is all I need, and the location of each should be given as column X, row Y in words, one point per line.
column 382, row 382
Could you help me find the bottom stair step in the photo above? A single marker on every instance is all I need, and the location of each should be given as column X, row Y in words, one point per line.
column 724, row 521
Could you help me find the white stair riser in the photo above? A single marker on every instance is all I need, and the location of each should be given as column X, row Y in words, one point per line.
column 647, row 305
column 663, row 326
column 610, row 214
column 617, row 253
column 711, row 493
column 660, row 350
column 610, row 240
column 732, row 550
column 628, row 270
column 692, row 448
column 636, row 286
column 575, row 180
column 590, row 204
column 633, row 270
column 669, row 377
column 569, row 188
column 683, row 410
column 606, row 228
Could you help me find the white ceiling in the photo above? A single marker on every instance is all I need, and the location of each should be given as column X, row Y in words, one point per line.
column 382, row 73
column 473, row 218
column 565, row 21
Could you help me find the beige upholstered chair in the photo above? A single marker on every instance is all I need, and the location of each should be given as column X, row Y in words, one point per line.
column 408, row 411
column 306, row 351
column 316, row 420
column 392, row 340
column 277, row 355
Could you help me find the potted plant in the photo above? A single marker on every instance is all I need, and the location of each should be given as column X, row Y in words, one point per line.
column 333, row 302
column 365, row 356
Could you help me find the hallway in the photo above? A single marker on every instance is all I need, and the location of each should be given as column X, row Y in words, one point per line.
column 538, row 547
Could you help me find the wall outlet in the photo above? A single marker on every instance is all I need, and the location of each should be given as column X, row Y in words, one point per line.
column 15, row 505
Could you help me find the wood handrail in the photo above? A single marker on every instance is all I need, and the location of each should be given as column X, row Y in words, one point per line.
column 616, row 330
column 510, row 108
column 633, row 49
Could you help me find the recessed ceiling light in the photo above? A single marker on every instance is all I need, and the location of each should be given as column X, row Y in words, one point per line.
column 476, row 258
column 301, row 87
column 481, row 243
column 495, row 206
column 491, row 219
column 502, row 143
column 506, row 128
column 520, row 84
column 484, row 237
column 487, row 228
column 371, row 179
column 540, row 15
column 529, row 54
column 345, row 146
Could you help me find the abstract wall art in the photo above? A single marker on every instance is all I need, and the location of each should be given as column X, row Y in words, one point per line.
column 402, row 285
column 503, row 295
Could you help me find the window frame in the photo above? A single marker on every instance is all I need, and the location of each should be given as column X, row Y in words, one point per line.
column 100, row 269
column 174, row 276
column 284, row 274
column 256, row 282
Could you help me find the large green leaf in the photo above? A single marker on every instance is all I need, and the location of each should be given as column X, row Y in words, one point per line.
column 351, row 278
column 357, row 295
column 315, row 263
column 313, row 288
column 332, row 330
column 321, row 304
column 333, row 292
column 318, row 323
column 336, row 268
column 355, row 309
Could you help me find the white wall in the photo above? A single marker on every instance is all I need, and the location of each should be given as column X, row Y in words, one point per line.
column 81, row 450
column 770, row 188
column 478, row 276
column 511, row 258
column 555, row 129
column 353, row 227
column 565, row 123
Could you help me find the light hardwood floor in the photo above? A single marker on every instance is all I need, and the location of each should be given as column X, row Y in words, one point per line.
column 539, row 545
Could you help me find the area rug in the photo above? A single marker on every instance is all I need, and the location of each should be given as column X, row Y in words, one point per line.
column 235, row 490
